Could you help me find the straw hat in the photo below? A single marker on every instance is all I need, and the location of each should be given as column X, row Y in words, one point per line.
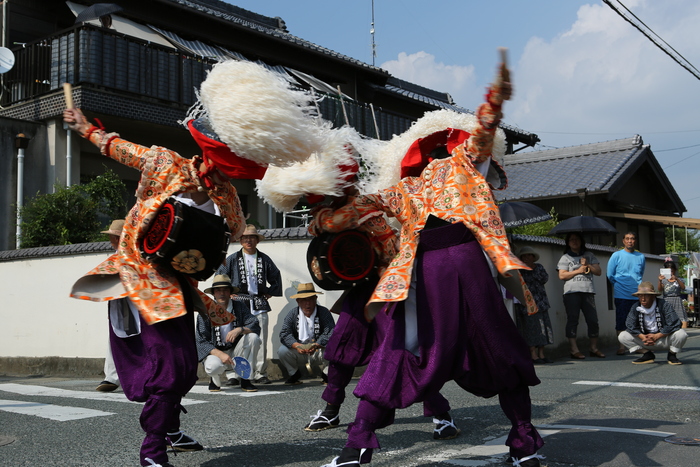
column 306, row 290
column 646, row 288
column 528, row 250
column 221, row 280
column 115, row 228
column 250, row 229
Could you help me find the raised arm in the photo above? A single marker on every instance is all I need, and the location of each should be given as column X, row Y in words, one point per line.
column 110, row 144
column 489, row 114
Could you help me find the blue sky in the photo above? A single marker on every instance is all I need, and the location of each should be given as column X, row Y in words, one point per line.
column 581, row 73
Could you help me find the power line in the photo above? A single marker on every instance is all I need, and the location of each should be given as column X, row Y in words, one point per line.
column 676, row 149
column 685, row 159
column 643, row 28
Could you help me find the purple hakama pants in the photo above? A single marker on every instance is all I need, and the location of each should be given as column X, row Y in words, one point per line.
column 465, row 334
column 352, row 344
column 158, row 367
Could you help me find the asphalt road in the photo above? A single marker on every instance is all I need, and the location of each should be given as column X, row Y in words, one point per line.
column 593, row 412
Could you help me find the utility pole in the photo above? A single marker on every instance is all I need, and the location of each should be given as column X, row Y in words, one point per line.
column 371, row 32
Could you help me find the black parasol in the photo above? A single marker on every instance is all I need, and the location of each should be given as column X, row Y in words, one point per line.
column 97, row 10
column 517, row 213
column 585, row 224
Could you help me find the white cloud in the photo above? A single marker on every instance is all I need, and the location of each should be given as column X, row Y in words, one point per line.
column 600, row 79
column 602, row 75
column 421, row 68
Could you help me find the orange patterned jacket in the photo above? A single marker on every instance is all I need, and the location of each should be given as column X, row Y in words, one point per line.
column 154, row 290
column 451, row 189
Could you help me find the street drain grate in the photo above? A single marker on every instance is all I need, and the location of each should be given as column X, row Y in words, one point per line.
column 669, row 395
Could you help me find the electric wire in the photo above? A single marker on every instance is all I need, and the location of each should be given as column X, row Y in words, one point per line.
column 682, row 62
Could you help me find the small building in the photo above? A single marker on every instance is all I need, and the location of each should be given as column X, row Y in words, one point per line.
column 139, row 77
column 620, row 181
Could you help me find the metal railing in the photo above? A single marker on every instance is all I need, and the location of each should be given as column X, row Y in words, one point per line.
column 91, row 56
column 300, row 215
column 88, row 55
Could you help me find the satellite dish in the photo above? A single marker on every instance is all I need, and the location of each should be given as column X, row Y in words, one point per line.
column 7, row 60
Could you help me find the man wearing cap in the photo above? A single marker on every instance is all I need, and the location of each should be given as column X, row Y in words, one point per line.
column 253, row 272
column 652, row 324
column 305, row 333
column 111, row 381
column 218, row 345
column 625, row 271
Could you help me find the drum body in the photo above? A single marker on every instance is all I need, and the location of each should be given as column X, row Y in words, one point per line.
column 338, row 261
column 187, row 240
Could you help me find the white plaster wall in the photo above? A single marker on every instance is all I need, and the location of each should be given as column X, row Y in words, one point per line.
column 39, row 319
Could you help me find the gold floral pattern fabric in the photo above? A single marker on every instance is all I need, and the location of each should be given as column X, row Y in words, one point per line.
column 155, row 290
column 451, row 189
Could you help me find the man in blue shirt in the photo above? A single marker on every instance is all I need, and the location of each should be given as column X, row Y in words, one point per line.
column 625, row 271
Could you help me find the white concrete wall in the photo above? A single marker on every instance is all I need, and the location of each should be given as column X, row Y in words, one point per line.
column 39, row 319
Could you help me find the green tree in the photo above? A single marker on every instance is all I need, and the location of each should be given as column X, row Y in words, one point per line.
column 75, row 214
column 679, row 246
column 539, row 229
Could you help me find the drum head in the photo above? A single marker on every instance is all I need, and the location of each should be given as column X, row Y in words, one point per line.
column 161, row 228
column 186, row 240
column 340, row 261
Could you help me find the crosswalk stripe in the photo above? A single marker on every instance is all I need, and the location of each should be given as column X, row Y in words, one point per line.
column 50, row 411
column 637, row 385
column 33, row 390
column 232, row 392
column 496, row 448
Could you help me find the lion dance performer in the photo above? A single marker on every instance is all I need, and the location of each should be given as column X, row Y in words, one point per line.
column 354, row 338
column 438, row 308
column 152, row 339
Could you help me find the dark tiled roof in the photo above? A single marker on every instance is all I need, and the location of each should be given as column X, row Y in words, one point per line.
column 267, row 25
column 548, row 174
column 289, row 233
column 58, row 250
column 443, row 100
column 558, row 241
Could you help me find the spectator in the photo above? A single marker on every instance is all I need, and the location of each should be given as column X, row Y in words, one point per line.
column 111, row 381
column 652, row 324
column 625, row 272
column 576, row 268
column 672, row 288
column 218, row 345
column 253, row 272
column 305, row 333
column 537, row 328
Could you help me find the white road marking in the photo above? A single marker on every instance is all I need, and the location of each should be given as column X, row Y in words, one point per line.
column 637, row 385
column 232, row 392
column 497, row 450
column 634, row 431
column 33, row 390
column 50, row 411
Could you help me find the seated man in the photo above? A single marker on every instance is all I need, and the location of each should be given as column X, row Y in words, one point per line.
column 305, row 333
column 652, row 324
column 217, row 345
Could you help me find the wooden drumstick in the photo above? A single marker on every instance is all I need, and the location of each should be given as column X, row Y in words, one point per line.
column 68, row 94
column 504, row 55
